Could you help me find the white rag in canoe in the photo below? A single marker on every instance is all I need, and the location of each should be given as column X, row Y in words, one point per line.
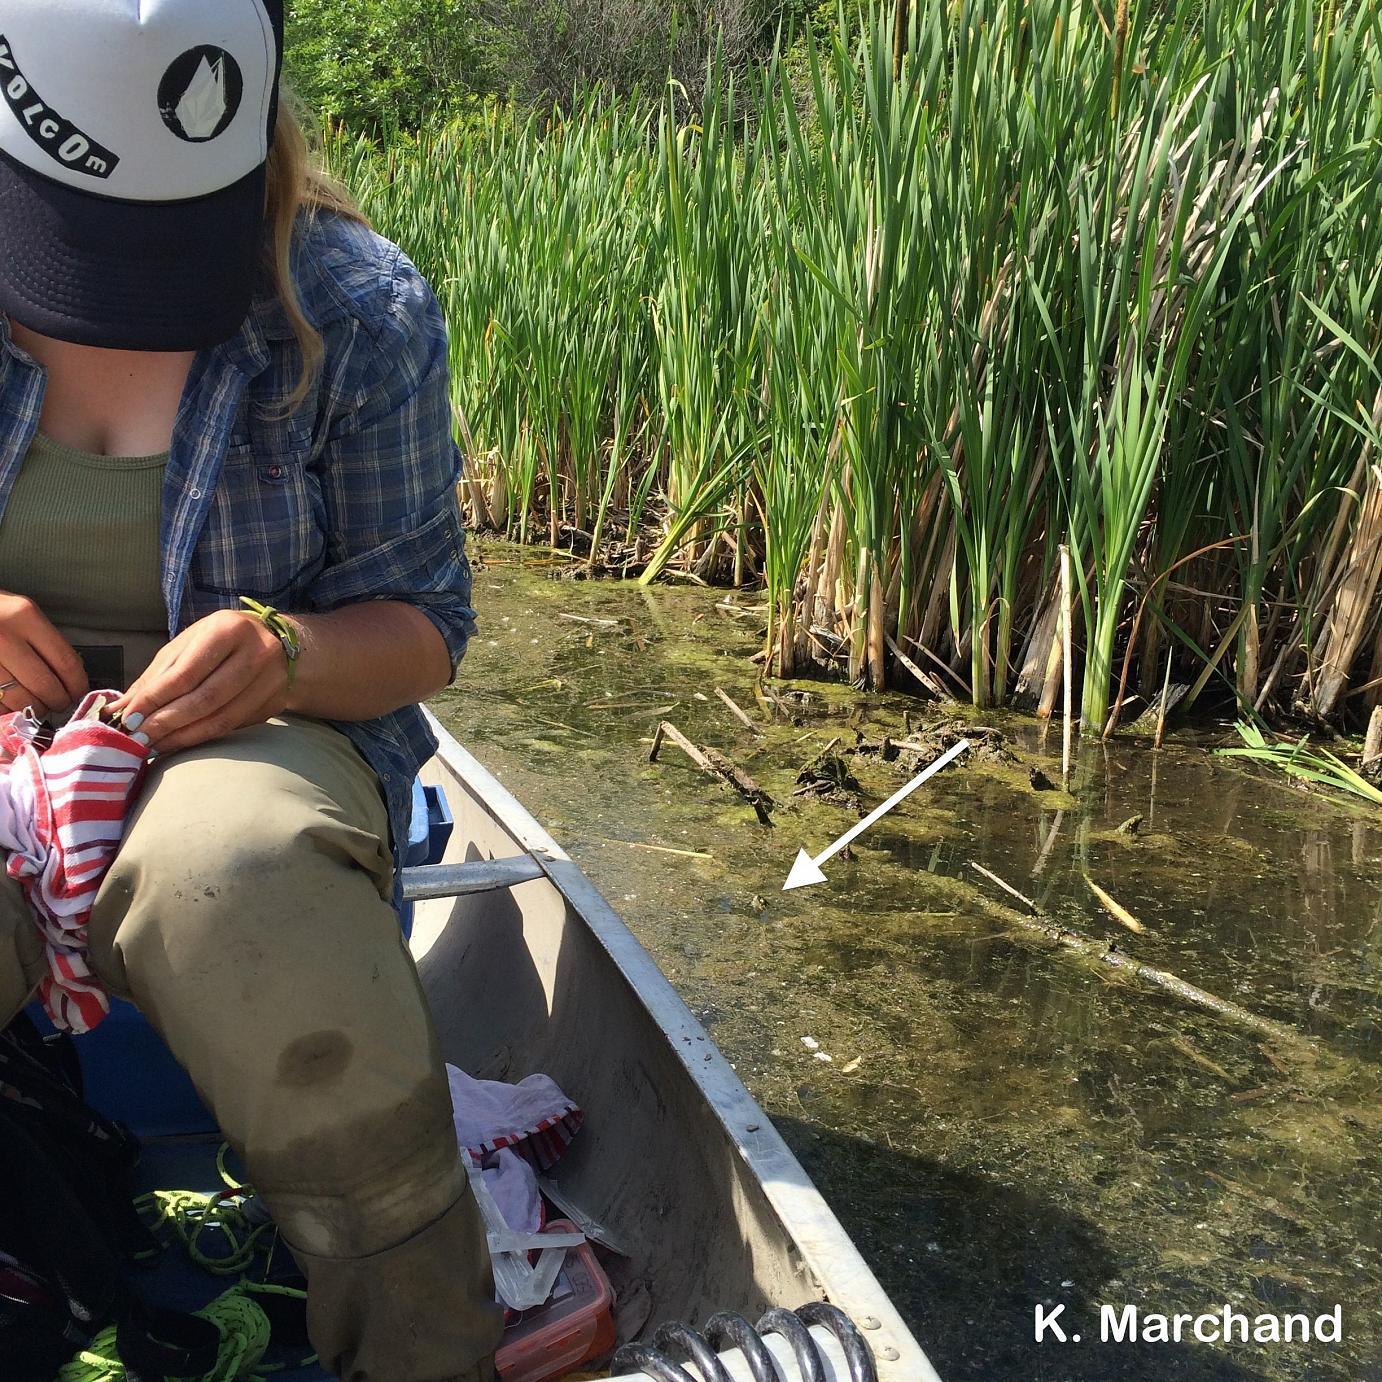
column 513, row 1131
column 510, row 1132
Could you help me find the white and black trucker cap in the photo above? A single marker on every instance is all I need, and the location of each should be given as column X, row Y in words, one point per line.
column 133, row 139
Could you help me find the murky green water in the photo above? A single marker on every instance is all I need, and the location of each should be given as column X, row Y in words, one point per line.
column 998, row 1124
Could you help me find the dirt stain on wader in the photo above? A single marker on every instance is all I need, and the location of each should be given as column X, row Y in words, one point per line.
column 352, row 1182
column 314, row 1059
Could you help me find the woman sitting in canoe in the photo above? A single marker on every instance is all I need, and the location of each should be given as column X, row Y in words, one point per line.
column 216, row 382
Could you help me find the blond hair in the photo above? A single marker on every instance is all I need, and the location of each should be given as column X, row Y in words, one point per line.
column 297, row 185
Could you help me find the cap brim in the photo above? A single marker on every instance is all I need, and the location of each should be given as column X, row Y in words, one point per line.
column 128, row 275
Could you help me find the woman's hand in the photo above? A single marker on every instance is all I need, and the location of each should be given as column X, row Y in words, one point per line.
column 44, row 668
column 228, row 671
column 218, row 675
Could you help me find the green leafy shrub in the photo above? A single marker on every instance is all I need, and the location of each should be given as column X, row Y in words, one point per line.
column 381, row 65
column 384, row 64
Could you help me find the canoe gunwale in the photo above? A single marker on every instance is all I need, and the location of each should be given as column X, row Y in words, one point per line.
column 827, row 1250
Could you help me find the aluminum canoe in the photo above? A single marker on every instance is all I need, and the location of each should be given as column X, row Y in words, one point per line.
column 677, row 1170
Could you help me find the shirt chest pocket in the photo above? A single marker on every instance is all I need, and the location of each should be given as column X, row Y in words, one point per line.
column 264, row 532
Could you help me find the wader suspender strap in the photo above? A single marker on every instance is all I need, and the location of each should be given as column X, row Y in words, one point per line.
column 157, row 1344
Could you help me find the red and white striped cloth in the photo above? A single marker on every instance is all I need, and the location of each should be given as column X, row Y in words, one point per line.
column 532, row 1118
column 62, row 816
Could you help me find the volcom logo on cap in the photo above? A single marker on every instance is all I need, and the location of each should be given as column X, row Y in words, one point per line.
column 54, row 134
column 200, row 93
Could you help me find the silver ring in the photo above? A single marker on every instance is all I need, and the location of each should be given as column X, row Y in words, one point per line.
column 7, row 686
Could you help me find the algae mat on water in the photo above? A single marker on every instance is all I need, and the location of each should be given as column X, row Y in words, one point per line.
column 999, row 1124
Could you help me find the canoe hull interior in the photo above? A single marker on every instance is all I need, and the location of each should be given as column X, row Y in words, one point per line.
column 676, row 1162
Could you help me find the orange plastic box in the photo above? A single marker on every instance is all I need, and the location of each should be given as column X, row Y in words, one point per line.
column 575, row 1326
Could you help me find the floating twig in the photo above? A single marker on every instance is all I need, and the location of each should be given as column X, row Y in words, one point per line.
column 736, row 710
column 655, row 849
column 1115, row 909
column 1007, row 887
column 589, row 619
column 667, row 730
column 717, row 765
column 741, row 611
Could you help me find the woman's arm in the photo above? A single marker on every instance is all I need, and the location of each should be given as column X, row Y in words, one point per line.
column 228, row 670
column 386, row 621
column 367, row 660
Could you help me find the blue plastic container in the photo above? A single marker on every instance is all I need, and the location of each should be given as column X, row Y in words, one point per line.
column 429, row 832
column 131, row 1076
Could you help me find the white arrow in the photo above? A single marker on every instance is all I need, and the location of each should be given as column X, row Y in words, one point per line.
column 807, row 870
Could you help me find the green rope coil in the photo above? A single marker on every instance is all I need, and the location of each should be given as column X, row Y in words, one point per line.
column 244, row 1330
column 192, row 1218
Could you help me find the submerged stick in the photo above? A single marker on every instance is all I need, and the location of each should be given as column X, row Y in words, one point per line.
column 717, row 765
column 815, row 757
column 1102, row 953
column 768, row 697
column 1046, row 847
column 725, row 767
column 1181, row 1044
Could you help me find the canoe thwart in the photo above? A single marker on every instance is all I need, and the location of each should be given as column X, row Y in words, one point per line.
column 477, row 876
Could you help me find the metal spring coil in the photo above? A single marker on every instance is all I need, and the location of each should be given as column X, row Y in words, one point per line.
column 728, row 1330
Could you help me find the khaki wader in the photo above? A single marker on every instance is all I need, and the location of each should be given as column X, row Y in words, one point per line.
column 247, row 914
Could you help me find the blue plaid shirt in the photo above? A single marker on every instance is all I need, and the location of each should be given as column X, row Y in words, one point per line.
column 351, row 497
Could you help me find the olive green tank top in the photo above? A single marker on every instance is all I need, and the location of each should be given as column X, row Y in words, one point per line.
column 80, row 537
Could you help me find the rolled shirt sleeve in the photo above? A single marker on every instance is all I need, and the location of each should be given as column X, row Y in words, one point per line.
column 390, row 472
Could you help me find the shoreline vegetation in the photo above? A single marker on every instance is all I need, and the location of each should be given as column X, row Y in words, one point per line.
column 922, row 316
